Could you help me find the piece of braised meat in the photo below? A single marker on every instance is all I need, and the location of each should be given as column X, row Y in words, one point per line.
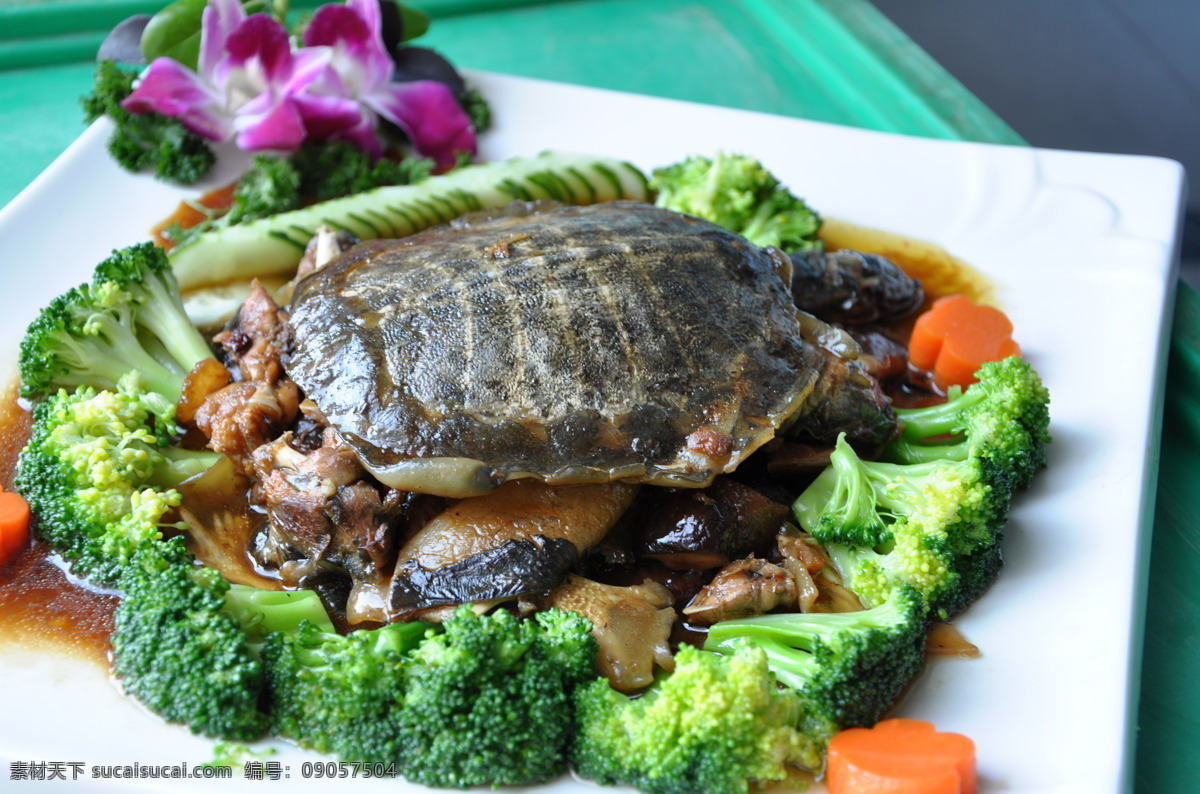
column 259, row 337
column 243, row 416
column 518, row 540
column 320, row 509
column 884, row 357
column 742, row 588
column 261, row 402
column 852, row 288
column 706, row 528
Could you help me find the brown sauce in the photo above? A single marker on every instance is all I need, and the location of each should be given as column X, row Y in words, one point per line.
column 40, row 606
column 934, row 266
column 945, row 640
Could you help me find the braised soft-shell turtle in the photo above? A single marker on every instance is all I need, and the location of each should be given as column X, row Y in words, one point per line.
column 571, row 344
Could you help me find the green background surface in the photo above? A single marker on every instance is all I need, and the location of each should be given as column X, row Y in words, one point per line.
column 829, row 60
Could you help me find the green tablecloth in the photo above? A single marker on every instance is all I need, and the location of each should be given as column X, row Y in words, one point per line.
column 831, row 60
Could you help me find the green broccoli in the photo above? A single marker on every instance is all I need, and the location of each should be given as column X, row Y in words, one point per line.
column 263, row 613
column 489, row 700
column 935, row 517
column 480, row 700
column 129, row 318
column 737, row 192
column 714, row 725
column 144, row 141
column 936, row 521
column 188, row 645
column 848, row 667
column 99, row 475
column 340, row 694
column 178, row 651
column 1004, row 418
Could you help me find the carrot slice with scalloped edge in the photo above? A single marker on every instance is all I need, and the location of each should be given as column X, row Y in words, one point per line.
column 14, row 526
column 956, row 336
column 900, row 756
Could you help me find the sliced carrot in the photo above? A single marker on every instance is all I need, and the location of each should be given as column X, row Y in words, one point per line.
column 189, row 214
column 900, row 756
column 957, row 336
column 14, row 526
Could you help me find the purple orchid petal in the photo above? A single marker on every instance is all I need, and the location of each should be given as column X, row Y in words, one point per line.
column 430, row 115
column 220, row 19
column 364, row 135
column 356, row 43
column 171, row 89
column 310, row 66
column 260, row 46
column 335, row 24
column 280, row 128
column 331, row 117
column 253, row 86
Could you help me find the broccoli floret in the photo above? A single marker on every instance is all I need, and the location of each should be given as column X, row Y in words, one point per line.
column 145, row 141
column 189, row 645
column 340, row 694
column 848, row 667
column 481, row 700
column 886, row 524
column 1004, row 419
column 489, row 700
column 130, row 318
column 261, row 613
column 99, row 477
column 141, row 276
column 935, row 520
column 177, row 651
column 737, row 192
column 714, row 725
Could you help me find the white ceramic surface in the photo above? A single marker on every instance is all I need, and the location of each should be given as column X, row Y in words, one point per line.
column 1083, row 249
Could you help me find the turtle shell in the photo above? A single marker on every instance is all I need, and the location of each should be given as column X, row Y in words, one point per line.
column 617, row 341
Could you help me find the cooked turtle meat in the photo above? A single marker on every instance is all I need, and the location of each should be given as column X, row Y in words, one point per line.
column 243, row 416
column 742, row 588
column 259, row 335
column 618, row 341
column 852, row 288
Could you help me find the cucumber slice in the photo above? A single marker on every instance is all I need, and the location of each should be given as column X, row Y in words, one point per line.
column 273, row 246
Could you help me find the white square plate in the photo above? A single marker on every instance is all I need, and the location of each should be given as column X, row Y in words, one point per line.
column 1082, row 248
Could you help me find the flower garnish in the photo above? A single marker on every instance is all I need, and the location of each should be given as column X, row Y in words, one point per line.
column 252, row 86
column 361, row 68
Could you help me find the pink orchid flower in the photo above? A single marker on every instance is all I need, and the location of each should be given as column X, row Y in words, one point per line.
column 361, row 68
column 250, row 85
